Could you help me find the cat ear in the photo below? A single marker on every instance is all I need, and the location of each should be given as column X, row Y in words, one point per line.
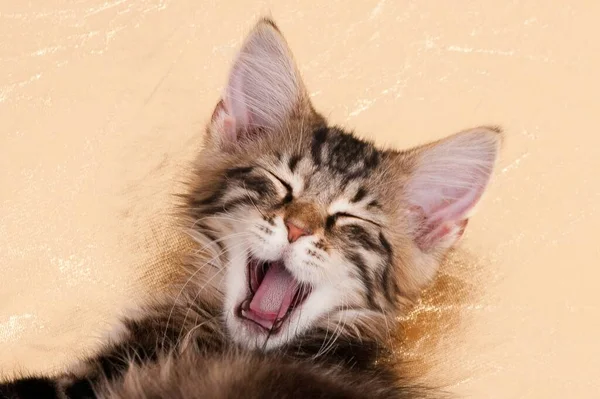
column 447, row 180
column 264, row 87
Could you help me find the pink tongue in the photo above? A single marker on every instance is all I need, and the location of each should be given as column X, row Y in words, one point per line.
column 275, row 294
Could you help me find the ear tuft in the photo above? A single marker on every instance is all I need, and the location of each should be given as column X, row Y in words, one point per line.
column 269, row 21
column 448, row 179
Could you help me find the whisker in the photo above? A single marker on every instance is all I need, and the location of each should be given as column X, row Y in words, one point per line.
column 199, row 269
column 206, row 284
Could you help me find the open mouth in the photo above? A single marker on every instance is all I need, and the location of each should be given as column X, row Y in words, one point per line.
column 274, row 295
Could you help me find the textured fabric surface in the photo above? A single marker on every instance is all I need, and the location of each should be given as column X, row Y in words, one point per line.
column 102, row 107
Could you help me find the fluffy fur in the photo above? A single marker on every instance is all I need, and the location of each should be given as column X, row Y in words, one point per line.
column 357, row 230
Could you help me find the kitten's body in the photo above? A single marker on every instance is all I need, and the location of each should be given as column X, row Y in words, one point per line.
column 312, row 241
column 183, row 351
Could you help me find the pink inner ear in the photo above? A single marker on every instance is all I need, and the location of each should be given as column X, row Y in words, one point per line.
column 432, row 234
column 224, row 122
column 448, row 181
column 446, row 215
column 456, row 209
column 229, row 129
column 236, row 97
column 263, row 87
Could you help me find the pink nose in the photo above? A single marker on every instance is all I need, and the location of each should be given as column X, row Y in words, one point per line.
column 295, row 232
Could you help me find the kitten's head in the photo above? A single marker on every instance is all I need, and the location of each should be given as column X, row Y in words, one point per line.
column 310, row 226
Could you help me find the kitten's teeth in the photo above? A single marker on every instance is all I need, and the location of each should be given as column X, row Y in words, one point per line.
column 245, row 305
column 277, row 324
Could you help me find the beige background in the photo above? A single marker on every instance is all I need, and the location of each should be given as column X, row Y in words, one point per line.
column 102, row 105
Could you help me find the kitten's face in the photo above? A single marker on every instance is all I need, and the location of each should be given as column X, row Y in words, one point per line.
column 307, row 238
column 311, row 227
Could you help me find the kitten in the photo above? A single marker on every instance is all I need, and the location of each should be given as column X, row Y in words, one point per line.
column 312, row 241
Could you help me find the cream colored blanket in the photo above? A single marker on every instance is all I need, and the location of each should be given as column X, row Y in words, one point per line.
column 102, row 105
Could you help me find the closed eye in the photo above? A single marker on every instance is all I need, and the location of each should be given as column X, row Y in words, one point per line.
column 332, row 218
column 288, row 187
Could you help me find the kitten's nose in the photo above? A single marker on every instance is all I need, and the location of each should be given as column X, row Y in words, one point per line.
column 295, row 232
